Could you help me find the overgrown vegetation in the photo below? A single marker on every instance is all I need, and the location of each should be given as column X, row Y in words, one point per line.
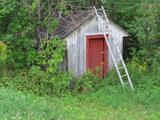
column 109, row 102
column 29, row 47
column 31, row 57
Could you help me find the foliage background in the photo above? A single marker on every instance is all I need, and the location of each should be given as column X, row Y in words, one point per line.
column 36, row 58
column 33, row 85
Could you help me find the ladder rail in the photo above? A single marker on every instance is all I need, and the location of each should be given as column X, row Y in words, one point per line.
column 114, row 61
column 107, row 20
column 110, row 49
column 125, row 68
column 111, row 52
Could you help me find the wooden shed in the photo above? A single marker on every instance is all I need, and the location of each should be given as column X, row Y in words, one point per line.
column 86, row 47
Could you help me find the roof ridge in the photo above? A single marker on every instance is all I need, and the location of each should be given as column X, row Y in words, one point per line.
column 70, row 23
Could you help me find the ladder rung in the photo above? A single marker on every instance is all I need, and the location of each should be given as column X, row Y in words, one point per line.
column 126, row 83
column 117, row 53
column 116, row 44
column 118, row 60
column 103, row 17
column 124, row 75
column 113, row 45
column 121, row 68
column 99, row 10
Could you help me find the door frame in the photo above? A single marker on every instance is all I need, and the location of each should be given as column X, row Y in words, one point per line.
column 93, row 37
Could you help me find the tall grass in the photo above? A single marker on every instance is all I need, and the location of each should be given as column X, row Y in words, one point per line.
column 108, row 100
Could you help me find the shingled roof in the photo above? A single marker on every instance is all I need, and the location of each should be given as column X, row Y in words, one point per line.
column 72, row 22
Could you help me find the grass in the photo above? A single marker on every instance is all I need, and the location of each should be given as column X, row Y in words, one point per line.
column 108, row 103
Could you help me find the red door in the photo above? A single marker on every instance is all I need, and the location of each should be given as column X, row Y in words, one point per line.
column 97, row 54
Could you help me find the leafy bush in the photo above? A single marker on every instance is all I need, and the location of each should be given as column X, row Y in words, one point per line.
column 20, row 31
column 38, row 82
column 142, row 76
column 50, row 55
column 87, row 83
column 3, row 56
column 17, row 32
column 44, row 83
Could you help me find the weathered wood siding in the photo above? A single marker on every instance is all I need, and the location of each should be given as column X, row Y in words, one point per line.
column 76, row 45
column 117, row 35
